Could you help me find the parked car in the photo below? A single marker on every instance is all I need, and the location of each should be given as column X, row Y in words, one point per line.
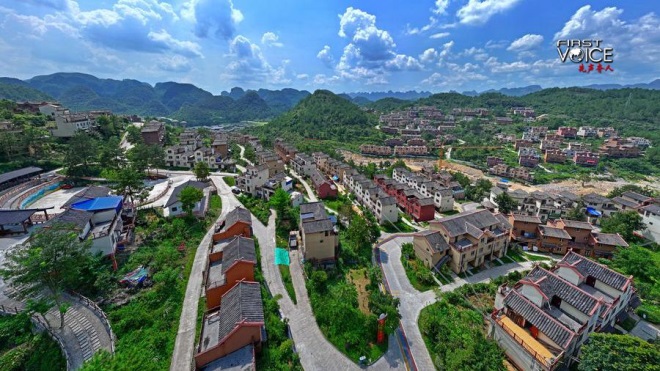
column 235, row 190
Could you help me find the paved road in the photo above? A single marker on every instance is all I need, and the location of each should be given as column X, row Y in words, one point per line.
column 310, row 193
column 182, row 358
column 413, row 301
column 316, row 353
column 243, row 158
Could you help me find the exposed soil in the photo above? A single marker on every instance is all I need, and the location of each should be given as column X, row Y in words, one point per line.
column 358, row 278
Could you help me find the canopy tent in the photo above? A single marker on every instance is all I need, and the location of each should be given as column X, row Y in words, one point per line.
column 593, row 212
column 99, row 203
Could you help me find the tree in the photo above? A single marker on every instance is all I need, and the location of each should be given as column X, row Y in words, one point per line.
column 48, row 264
column 619, row 352
column 134, row 135
column 111, row 154
column 618, row 191
column 202, row 170
column 584, row 178
column 576, row 213
column 143, row 156
column 638, row 262
column 82, row 151
column 130, row 183
column 505, row 203
column 624, row 223
column 280, row 201
column 189, row 196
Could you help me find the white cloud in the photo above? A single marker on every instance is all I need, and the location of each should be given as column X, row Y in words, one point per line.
column 302, row 76
column 53, row 4
column 446, row 49
column 212, row 18
column 477, row 12
column 271, row 39
column 440, row 6
column 249, row 66
column 439, row 35
column 492, row 44
column 429, row 55
column 176, row 63
column 403, row 62
column 325, row 56
column 187, row 48
column 527, row 42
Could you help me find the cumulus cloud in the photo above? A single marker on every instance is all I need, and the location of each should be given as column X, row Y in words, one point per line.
column 440, row 6
column 477, row 12
column 271, row 39
column 371, row 52
column 527, row 42
column 439, row 35
column 166, row 41
column 248, row 64
column 176, row 63
column 325, row 56
column 302, row 76
column 212, row 17
column 429, row 56
column 626, row 37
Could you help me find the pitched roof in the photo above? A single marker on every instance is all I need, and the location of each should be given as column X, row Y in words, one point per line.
column 11, row 175
column 79, row 218
column 588, row 267
column 312, row 211
column 625, row 202
column 387, row 200
column 99, row 203
column 526, row 218
column 457, row 225
column 652, row 208
column 551, row 285
column 15, row 216
column 612, row 239
column 174, row 197
column 316, row 226
column 554, row 232
column 239, row 214
column 635, row 196
column 595, row 198
column 87, row 194
column 435, row 240
column 240, row 248
column 549, row 326
column 240, row 360
column 576, row 224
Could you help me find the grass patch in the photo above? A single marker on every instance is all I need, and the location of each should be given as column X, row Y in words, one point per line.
column 398, row 227
column 230, row 180
column 515, row 255
column 535, row 258
column 288, row 282
column 496, row 262
column 257, row 207
column 649, row 312
column 20, row 349
column 420, row 276
column 147, row 323
column 449, row 213
column 338, row 203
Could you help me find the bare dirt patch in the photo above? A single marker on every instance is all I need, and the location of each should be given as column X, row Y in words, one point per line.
column 358, row 277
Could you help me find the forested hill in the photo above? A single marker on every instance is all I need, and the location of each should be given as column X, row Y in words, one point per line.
column 185, row 102
column 323, row 116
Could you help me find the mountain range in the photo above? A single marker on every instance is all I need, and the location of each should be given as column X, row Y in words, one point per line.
column 186, row 102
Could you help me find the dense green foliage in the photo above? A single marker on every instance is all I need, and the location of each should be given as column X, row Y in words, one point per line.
column 190, row 196
column 604, row 352
column 624, row 223
column 505, row 203
column 322, row 119
column 618, row 191
column 419, row 275
column 20, row 349
column 256, row 206
column 146, row 324
column 184, row 102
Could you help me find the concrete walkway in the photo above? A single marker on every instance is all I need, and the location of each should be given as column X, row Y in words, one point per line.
column 412, row 301
column 242, row 157
column 85, row 331
column 182, row 358
column 310, row 193
column 315, row 352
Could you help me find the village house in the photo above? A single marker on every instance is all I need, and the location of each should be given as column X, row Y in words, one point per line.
column 416, row 142
column 542, row 320
column 320, row 239
column 153, row 133
column 602, row 204
column 220, row 145
column 431, row 248
column 504, row 120
column 238, row 222
column 271, row 160
column 473, row 237
column 547, row 144
column 303, row 164
column 586, row 158
column 651, row 218
column 285, row 151
column 528, row 161
column 615, row 149
column 639, row 142
column 69, row 124
column 324, row 188
column 524, row 229
column 587, row 132
column 492, row 161
column 174, row 207
column 279, row 181
column 392, row 142
column 253, row 179
column 410, row 150
column 230, row 261
column 368, row 149
column 522, row 143
column 608, row 132
column 238, row 323
column 567, row 132
column 554, row 156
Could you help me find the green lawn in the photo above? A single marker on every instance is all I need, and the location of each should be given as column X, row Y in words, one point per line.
column 628, row 324
column 288, row 283
column 230, row 180
column 419, row 275
column 533, row 257
column 515, row 255
column 398, row 227
column 146, row 326
column 257, row 207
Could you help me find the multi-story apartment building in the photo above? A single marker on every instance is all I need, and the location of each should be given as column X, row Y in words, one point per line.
column 285, row 151
column 651, row 218
column 528, row 161
column 587, row 132
column 547, row 144
column 320, row 240
column 473, row 237
column 615, row 149
column 368, row 149
column 410, row 150
column 554, row 156
column 567, row 132
column 492, row 161
column 303, row 164
column 586, row 158
column 253, row 179
column 543, row 320
column 69, row 124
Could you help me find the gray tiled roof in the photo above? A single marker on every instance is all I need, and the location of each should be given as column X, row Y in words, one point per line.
column 241, row 303
column 174, row 197
column 315, row 209
column 554, row 232
column 387, row 200
column 576, row 224
column 588, row 267
column 239, row 214
column 240, row 248
column 435, row 240
column 457, row 225
column 15, row 216
column 11, row 175
column 316, row 226
column 551, row 285
column 550, row 327
column 240, row 360
column 79, row 218
column 625, row 202
column 526, row 218
column 653, row 208
column 636, row 196
column 612, row 239
column 595, row 198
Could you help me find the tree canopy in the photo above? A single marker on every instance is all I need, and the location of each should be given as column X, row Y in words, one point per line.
column 189, row 196
column 202, row 170
column 505, row 203
column 605, row 352
column 624, row 223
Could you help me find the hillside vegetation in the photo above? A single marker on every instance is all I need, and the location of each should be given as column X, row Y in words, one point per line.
column 322, row 119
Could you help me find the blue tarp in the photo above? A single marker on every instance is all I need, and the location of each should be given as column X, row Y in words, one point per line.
column 335, row 178
column 593, row 212
column 99, row 203
column 135, row 277
column 504, row 180
column 282, row 256
column 333, row 219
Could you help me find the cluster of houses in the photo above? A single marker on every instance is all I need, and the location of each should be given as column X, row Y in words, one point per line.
column 233, row 327
column 542, row 320
column 414, row 147
column 68, row 123
column 267, row 175
column 191, row 148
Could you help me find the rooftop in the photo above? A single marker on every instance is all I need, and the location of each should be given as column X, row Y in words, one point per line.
column 554, row 232
column 576, row 224
column 636, row 196
column 467, row 221
column 79, row 218
column 312, row 211
column 435, row 240
column 588, row 267
column 239, row 214
column 553, row 285
column 174, row 197
column 526, row 218
column 612, row 239
column 11, row 175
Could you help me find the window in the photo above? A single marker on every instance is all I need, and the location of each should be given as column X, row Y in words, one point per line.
column 174, row 209
column 326, row 233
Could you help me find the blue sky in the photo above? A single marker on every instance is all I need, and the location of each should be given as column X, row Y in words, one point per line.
column 369, row 45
